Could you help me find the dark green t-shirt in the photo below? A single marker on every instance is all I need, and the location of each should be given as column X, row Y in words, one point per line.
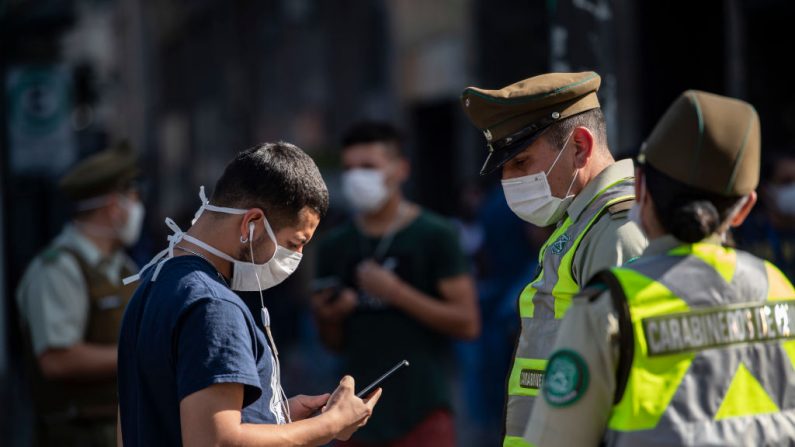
column 377, row 336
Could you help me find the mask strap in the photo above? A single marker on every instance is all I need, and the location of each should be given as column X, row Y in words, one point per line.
column 576, row 173
column 560, row 153
column 218, row 209
column 164, row 255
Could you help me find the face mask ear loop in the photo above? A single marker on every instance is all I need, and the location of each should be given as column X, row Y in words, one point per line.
column 576, row 173
column 560, row 153
column 266, row 319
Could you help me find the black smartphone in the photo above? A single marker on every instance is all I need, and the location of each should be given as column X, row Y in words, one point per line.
column 369, row 388
column 328, row 283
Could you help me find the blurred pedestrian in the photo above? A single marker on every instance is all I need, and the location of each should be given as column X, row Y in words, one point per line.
column 692, row 343
column 547, row 135
column 394, row 284
column 195, row 366
column 769, row 232
column 72, row 299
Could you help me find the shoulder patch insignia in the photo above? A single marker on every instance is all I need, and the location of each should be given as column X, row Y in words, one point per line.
column 51, row 254
column 566, row 379
column 559, row 245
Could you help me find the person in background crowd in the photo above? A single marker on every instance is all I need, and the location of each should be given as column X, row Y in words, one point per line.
column 769, row 232
column 72, row 299
column 393, row 284
column 691, row 344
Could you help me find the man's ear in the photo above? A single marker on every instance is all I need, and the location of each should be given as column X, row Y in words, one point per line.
column 583, row 144
column 253, row 217
column 745, row 210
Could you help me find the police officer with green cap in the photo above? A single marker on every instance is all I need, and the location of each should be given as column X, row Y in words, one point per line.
column 693, row 343
column 547, row 134
column 71, row 300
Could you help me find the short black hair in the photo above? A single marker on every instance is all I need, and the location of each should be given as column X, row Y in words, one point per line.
column 278, row 178
column 593, row 119
column 365, row 132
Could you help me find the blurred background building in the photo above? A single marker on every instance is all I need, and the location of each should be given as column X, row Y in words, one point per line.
column 191, row 82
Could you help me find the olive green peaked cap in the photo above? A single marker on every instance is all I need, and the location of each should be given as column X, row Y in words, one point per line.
column 102, row 173
column 513, row 117
column 709, row 142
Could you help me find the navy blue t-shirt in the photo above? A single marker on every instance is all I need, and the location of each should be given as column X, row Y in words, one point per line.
column 182, row 333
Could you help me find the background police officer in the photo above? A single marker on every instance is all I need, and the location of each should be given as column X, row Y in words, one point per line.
column 71, row 299
column 692, row 344
column 547, row 133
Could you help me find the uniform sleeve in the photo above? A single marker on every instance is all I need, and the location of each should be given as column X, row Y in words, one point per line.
column 214, row 344
column 53, row 300
column 449, row 258
column 577, row 416
column 612, row 241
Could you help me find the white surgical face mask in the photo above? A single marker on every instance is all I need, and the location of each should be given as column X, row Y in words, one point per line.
column 784, row 196
column 531, row 199
column 131, row 230
column 247, row 276
column 365, row 189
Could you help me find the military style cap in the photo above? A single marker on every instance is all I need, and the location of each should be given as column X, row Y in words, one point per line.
column 513, row 117
column 709, row 142
column 101, row 173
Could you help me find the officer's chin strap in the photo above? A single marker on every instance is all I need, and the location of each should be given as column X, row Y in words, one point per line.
column 266, row 323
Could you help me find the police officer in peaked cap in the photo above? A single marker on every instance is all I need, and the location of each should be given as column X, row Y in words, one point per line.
column 547, row 136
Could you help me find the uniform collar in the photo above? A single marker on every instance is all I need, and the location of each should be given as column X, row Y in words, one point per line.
column 72, row 238
column 617, row 171
column 664, row 244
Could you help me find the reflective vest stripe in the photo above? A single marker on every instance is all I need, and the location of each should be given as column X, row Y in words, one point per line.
column 712, row 334
column 515, row 441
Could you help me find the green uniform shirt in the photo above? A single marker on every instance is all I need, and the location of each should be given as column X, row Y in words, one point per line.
column 53, row 295
column 377, row 336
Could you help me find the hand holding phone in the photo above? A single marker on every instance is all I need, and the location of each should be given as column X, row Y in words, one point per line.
column 329, row 283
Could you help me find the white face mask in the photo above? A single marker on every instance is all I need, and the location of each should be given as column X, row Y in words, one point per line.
column 530, row 198
column 365, row 189
column 131, row 230
column 784, row 197
column 247, row 276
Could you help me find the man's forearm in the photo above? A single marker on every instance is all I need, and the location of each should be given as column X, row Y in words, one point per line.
column 310, row 432
column 80, row 362
column 449, row 318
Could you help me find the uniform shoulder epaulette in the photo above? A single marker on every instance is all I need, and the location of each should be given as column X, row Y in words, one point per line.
column 620, row 207
column 51, row 254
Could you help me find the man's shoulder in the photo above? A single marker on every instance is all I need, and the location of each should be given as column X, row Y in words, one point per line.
column 192, row 280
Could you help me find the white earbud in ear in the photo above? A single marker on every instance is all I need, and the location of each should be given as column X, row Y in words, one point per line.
column 251, row 230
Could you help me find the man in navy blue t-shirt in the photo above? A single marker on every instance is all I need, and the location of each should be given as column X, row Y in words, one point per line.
column 196, row 367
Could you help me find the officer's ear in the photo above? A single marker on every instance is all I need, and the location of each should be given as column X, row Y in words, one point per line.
column 745, row 210
column 583, row 141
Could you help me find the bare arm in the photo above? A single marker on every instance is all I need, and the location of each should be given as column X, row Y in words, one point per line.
column 455, row 314
column 81, row 361
column 211, row 417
